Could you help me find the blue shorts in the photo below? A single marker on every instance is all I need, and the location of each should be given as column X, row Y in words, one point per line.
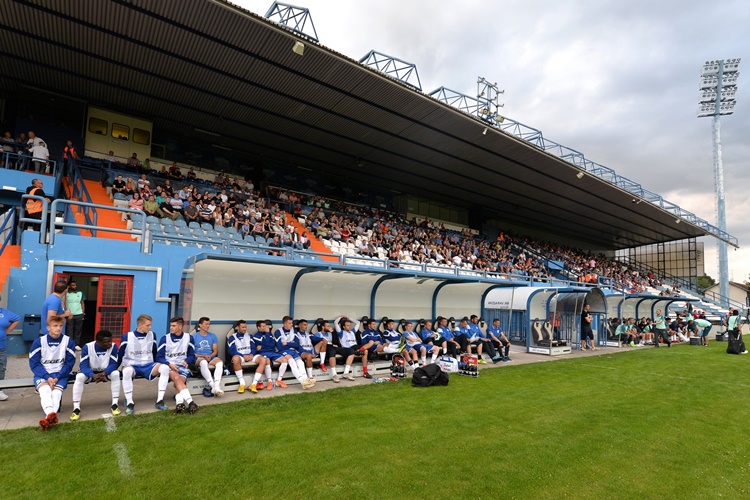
column 289, row 352
column 418, row 347
column 310, row 351
column 272, row 355
column 184, row 371
column 374, row 348
column 61, row 384
column 145, row 371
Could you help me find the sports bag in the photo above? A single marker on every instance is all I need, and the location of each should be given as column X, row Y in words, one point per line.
column 736, row 346
column 429, row 375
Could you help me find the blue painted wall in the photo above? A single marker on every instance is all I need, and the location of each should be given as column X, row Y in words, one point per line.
column 27, row 285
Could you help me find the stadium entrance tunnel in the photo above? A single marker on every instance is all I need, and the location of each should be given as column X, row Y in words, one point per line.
column 226, row 288
column 548, row 318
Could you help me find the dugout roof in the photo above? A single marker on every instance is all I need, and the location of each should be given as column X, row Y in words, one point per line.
column 206, row 64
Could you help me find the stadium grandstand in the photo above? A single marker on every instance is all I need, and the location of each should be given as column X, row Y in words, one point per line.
column 229, row 165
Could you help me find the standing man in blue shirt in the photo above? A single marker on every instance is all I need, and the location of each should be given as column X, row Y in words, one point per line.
column 8, row 322
column 74, row 302
column 53, row 306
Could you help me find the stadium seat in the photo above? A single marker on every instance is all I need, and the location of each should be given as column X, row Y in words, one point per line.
column 194, row 225
column 152, row 220
column 184, row 231
column 232, row 230
column 198, row 233
column 155, row 228
column 166, row 221
column 260, row 240
column 206, row 226
column 170, row 230
column 180, row 223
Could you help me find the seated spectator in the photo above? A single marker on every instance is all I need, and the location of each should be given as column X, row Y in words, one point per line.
column 174, row 172
column 168, row 189
column 205, row 212
column 130, row 188
column 191, row 175
column 144, row 184
column 184, row 193
column 276, row 247
column 118, row 185
column 136, row 202
column 133, row 161
column 163, row 172
column 364, row 249
column 111, row 157
column 190, row 212
column 167, row 210
column 304, row 241
column 160, row 195
column 176, row 203
column 151, row 207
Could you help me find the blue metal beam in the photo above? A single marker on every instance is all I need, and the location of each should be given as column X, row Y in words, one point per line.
column 297, row 19
column 473, row 106
column 394, row 67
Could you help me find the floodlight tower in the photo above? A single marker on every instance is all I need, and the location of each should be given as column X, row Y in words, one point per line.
column 718, row 90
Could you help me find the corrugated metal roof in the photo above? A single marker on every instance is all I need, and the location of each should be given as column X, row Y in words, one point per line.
column 206, row 63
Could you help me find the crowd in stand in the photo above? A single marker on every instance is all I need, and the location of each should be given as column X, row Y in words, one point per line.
column 381, row 234
column 374, row 232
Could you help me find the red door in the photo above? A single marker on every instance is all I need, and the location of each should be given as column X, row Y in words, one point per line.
column 113, row 305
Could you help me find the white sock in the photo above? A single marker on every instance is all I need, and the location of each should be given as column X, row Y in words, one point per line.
column 335, row 371
column 282, row 369
column 296, row 370
column 78, row 390
column 424, row 359
column 346, row 369
column 445, row 350
column 268, row 372
column 256, row 378
column 163, row 382
column 178, row 398
column 127, row 384
column 206, row 372
column 218, row 372
column 185, row 393
column 323, row 357
column 240, row 376
column 45, row 398
column 114, row 377
column 56, row 398
column 309, row 372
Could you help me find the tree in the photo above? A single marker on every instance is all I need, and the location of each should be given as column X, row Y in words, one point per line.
column 705, row 282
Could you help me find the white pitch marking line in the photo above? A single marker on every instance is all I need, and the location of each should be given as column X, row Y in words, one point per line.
column 110, row 421
column 123, row 461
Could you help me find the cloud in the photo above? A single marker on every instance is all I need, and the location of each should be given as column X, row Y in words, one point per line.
column 617, row 81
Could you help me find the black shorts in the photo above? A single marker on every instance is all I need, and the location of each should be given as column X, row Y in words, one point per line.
column 344, row 352
column 587, row 334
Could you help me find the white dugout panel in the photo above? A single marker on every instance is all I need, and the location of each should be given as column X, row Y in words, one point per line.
column 406, row 298
column 332, row 293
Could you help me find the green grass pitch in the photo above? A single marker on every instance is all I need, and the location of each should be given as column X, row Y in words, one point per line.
column 666, row 423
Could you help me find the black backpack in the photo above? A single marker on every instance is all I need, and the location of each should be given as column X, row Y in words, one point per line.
column 429, row 375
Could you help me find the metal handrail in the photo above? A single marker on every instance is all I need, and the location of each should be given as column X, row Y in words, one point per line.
column 43, row 222
column 95, row 227
column 11, row 217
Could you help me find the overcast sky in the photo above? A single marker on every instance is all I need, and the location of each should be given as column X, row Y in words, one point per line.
column 617, row 81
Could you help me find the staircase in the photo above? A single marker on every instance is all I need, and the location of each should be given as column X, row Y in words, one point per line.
column 106, row 218
column 11, row 257
column 315, row 244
